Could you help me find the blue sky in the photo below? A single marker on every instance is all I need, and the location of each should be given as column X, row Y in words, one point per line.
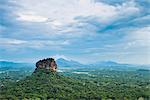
column 83, row 30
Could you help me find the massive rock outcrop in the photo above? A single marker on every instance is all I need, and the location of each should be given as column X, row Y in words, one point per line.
column 48, row 64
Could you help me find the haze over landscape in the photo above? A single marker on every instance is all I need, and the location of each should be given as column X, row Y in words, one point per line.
column 100, row 30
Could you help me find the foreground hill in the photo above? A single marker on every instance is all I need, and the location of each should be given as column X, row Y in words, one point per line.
column 45, row 84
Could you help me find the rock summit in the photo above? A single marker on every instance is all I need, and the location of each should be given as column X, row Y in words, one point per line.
column 48, row 63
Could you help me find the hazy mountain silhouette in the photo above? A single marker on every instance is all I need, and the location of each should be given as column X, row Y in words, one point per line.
column 7, row 65
column 68, row 63
column 63, row 63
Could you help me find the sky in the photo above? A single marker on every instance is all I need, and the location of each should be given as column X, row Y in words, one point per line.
column 83, row 30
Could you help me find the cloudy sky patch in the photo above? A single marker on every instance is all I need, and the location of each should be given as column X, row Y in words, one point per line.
column 76, row 29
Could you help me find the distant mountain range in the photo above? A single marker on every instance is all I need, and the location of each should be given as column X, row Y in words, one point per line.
column 63, row 63
column 68, row 63
column 7, row 65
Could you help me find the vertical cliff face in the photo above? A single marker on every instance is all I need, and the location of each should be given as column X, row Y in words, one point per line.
column 48, row 64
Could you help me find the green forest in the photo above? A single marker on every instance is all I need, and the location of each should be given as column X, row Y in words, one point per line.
column 68, row 85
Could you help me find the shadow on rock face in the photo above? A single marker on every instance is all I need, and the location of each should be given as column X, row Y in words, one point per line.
column 48, row 63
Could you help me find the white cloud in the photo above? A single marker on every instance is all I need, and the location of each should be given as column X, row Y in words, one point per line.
column 141, row 33
column 139, row 37
column 60, row 18
column 7, row 41
column 36, row 44
column 30, row 17
column 64, row 11
column 127, row 9
column 57, row 56
column 64, row 22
